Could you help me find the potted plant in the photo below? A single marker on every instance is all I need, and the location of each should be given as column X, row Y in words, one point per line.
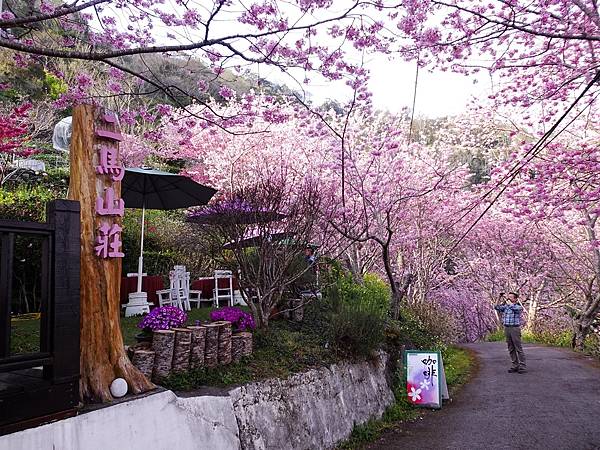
column 163, row 318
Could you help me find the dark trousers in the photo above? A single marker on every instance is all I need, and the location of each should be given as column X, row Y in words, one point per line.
column 515, row 348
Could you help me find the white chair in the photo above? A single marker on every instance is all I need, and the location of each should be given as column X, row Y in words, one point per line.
column 223, row 293
column 169, row 297
column 179, row 289
column 238, row 299
column 182, row 287
column 195, row 296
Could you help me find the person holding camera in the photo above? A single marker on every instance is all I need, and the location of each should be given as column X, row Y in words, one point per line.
column 511, row 310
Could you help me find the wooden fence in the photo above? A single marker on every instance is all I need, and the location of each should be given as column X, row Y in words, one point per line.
column 42, row 385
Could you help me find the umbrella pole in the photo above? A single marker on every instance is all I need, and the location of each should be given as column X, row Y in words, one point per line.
column 141, row 258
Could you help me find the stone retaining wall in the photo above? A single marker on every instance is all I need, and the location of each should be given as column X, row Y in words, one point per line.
column 311, row 410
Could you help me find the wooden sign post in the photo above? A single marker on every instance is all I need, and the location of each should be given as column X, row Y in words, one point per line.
column 95, row 181
column 425, row 378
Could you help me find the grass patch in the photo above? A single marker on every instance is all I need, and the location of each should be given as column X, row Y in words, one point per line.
column 458, row 364
column 129, row 324
column 496, row 336
column 285, row 348
column 25, row 334
column 561, row 339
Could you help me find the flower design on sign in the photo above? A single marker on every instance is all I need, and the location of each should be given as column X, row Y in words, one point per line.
column 425, row 385
column 415, row 394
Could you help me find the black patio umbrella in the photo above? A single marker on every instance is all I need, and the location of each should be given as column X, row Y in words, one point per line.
column 154, row 189
column 233, row 212
column 255, row 241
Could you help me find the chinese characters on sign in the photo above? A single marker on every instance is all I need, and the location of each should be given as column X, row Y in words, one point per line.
column 109, row 165
column 430, row 372
column 108, row 237
column 425, row 378
column 108, row 241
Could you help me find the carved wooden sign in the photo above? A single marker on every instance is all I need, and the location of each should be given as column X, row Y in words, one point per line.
column 95, row 180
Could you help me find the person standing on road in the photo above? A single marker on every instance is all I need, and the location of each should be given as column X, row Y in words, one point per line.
column 511, row 310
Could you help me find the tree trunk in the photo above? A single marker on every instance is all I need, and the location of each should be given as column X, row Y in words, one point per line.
column 181, row 351
column 144, row 361
column 224, row 354
column 580, row 332
column 396, row 295
column 353, row 259
column 211, row 352
column 163, row 345
column 103, row 356
column 197, row 347
column 578, row 340
column 532, row 315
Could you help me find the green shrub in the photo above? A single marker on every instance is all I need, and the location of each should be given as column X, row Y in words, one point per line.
column 372, row 288
column 377, row 289
column 496, row 336
column 356, row 322
column 553, row 338
column 561, row 339
column 55, row 86
column 25, row 203
column 413, row 332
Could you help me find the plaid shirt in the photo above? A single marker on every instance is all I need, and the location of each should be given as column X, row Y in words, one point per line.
column 511, row 314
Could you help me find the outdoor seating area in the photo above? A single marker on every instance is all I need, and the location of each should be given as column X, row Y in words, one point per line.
column 219, row 289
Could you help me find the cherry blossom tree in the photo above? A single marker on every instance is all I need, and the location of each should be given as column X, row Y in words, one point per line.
column 559, row 191
column 298, row 39
column 261, row 231
column 394, row 208
column 13, row 138
column 504, row 254
column 538, row 52
column 394, row 191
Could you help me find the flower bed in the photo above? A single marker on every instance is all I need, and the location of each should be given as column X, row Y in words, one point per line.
column 240, row 320
column 176, row 348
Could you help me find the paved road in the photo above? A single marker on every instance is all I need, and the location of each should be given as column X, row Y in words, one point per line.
column 555, row 405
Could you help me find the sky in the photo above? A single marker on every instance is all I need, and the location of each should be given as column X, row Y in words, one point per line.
column 438, row 93
column 392, row 83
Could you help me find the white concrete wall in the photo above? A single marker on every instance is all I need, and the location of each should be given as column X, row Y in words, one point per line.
column 311, row 410
column 158, row 422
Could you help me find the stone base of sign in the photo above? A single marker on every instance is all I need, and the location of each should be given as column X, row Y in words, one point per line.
column 138, row 304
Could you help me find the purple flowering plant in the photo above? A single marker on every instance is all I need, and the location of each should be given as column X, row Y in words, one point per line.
column 163, row 318
column 239, row 319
